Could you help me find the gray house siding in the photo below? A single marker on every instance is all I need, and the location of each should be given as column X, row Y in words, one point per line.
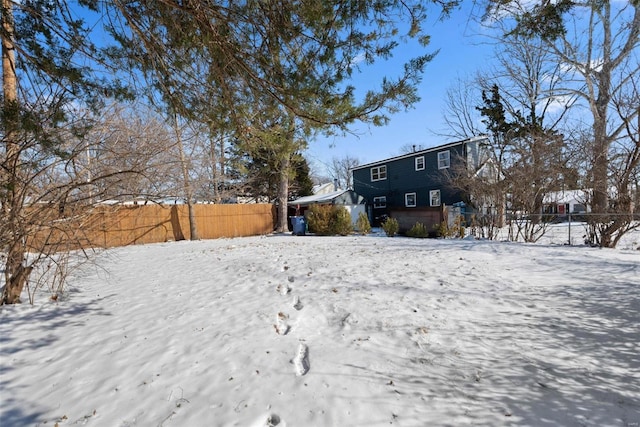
column 412, row 178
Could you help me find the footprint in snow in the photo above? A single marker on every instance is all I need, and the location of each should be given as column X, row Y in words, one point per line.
column 283, row 289
column 296, row 303
column 301, row 361
column 272, row 420
column 282, row 326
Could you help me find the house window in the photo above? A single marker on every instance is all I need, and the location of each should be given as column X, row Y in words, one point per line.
column 420, row 163
column 380, row 202
column 579, row 208
column 379, row 173
column 410, row 200
column 434, row 198
column 444, row 159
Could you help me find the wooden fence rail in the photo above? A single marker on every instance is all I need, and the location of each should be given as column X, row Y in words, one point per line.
column 127, row 225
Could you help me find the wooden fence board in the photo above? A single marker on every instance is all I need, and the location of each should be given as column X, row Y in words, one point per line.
column 110, row 226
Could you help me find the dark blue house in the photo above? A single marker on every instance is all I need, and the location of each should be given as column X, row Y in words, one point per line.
column 415, row 187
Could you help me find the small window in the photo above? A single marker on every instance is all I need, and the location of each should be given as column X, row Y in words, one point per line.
column 579, row 208
column 444, row 159
column 410, row 200
column 420, row 163
column 434, row 198
column 380, row 202
column 379, row 173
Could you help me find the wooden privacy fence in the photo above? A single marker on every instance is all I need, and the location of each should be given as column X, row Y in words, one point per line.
column 138, row 224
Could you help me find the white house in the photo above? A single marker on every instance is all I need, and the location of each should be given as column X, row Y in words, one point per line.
column 567, row 202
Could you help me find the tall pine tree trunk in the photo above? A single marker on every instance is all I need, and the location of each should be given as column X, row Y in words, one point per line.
column 15, row 273
column 283, row 194
column 287, row 149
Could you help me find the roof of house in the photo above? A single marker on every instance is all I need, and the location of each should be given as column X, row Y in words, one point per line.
column 415, row 153
column 326, row 198
column 325, row 188
column 567, row 196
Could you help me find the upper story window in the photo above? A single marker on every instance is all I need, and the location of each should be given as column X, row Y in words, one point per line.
column 378, row 173
column 444, row 159
column 380, row 202
column 410, row 200
column 420, row 163
column 434, row 198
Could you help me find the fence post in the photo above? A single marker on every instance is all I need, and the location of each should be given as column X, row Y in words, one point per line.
column 569, row 228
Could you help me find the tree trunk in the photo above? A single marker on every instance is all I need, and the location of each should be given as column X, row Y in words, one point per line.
column 283, row 195
column 16, row 275
column 601, row 141
column 221, row 171
column 217, row 164
column 214, row 169
column 599, row 169
column 9, row 78
column 193, row 230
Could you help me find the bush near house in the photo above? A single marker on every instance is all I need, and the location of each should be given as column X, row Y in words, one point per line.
column 390, row 226
column 341, row 221
column 362, row 224
column 456, row 230
column 318, row 219
column 418, row 230
column 327, row 220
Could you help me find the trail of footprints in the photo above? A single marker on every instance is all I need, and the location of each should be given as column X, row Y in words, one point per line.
column 282, row 327
column 301, row 359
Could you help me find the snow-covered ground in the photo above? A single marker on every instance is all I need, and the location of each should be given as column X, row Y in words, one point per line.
column 332, row 331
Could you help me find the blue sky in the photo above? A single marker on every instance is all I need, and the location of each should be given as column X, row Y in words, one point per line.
column 462, row 52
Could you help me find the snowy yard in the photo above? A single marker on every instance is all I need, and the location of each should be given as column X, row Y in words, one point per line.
column 332, row 331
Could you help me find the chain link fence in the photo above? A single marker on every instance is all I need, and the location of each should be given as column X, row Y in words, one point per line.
column 557, row 229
